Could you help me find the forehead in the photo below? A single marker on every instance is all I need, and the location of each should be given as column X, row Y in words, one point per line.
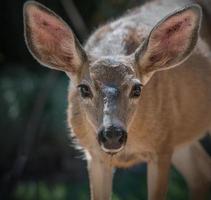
column 110, row 71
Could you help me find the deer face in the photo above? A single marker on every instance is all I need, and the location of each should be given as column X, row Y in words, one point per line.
column 109, row 88
column 109, row 94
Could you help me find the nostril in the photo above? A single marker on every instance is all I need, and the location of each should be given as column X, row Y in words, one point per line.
column 102, row 136
column 107, row 134
column 103, row 139
column 121, row 139
column 119, row 133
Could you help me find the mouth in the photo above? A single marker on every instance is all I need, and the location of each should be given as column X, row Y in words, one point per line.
column 111, row 151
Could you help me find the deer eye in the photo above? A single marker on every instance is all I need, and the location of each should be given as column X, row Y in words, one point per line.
column 136, row 91
column 85, row 91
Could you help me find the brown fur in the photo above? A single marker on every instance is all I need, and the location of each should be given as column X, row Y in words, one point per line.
column 132, row 40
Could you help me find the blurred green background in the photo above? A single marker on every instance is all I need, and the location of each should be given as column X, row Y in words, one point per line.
column 37, row 158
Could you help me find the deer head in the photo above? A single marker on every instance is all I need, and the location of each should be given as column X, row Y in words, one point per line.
column 108, row 88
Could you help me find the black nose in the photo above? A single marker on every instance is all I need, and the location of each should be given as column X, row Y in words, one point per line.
column 112, row 138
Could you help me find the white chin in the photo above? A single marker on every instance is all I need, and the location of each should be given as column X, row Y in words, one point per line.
column 111, row 151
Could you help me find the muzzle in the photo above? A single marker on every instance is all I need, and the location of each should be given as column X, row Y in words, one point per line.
column 112, row 139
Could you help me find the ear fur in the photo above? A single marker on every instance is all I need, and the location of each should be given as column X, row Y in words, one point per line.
column 171, row 41
column 50, row 40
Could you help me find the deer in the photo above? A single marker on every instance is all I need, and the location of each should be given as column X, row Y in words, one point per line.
column 140, row 90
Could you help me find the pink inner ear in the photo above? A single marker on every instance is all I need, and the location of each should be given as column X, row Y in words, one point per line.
column 170, row 42
column 48, row 26
column 174, row 34
column 52, row 39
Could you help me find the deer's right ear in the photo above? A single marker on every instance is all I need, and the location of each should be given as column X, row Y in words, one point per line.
column 50, row 40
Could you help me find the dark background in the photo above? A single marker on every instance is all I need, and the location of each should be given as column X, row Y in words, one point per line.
column 37, row 159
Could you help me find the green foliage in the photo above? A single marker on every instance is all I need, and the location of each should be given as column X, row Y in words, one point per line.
column 178, row 189
column 128, row 185
column 19, row 91
column 42, row 191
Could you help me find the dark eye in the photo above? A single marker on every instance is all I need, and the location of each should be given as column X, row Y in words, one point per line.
column 85, row 91
column 136, row 91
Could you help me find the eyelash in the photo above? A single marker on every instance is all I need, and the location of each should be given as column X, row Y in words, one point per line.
column 85, row 91
column 136, row 91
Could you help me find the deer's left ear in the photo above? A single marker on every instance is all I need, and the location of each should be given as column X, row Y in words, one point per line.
column 171, row 41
